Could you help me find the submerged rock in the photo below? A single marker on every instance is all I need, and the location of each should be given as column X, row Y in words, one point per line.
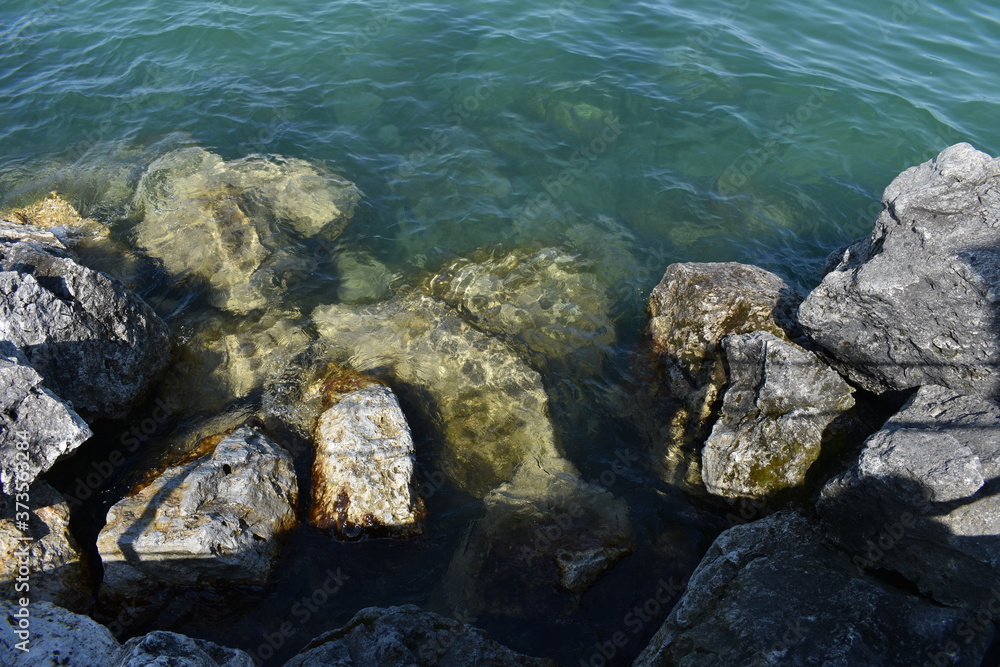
column 214, row 521
column 545, row 538
column 229, row 223
column 770, row 592
column 915, row 303
column 362, row 475
column 38, row 428
column 779, row 401
column 921, row 499
column 407, row 636
column 691, row 310
column 95, row 344
column 490, row 407
column 544, row 301
column 57, row 567
column 55, row 213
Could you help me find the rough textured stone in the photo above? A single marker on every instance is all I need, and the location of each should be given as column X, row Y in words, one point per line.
column 231, row 223
column 691, row 310
column 58, row 568
column 36, row 427
column 922, row 498
column 915, row 303
column 406, row 636
column 214, row 521
column 779, row 401
column 770, row 593
column 544, row 539
column 58, row 637
column 491, row 407
column 362, row 474
column 169, row 648
column 544, row 301
column 94, row 343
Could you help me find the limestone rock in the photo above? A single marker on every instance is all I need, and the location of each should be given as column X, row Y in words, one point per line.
column 170, row 648
column 921, row 499
column 57, row 637
column 770, row 593
column 915, row 303
column 38, row 428
column 362, row 475
column 94, row 343
column 779, row 401
column 58, row 571
column 490, row 407
column 214, row 521
column 405, row 636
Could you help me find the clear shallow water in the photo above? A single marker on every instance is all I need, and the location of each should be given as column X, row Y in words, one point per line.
column 710, row 131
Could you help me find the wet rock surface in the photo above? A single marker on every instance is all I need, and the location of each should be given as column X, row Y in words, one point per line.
column 57, row 567
column 771, row 593
column 95, row 344
column 921, row 500
column 38, row 428
column 491, row 407
column 363, row 471
column 769, row 432
column 215, row 521
column 915, row 303
column 407, row 635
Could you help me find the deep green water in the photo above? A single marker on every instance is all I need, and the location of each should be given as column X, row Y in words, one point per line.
column 760, row 132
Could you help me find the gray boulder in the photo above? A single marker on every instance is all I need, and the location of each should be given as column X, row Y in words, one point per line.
column 921, row 499
column 95, row 344
column 57, row 569
column 363, row 471
column 36, row 427
column 771, row 593
column 405, row 636
column 691, row 310
column 915, row 303
column 214, row 521
column 779, row 401
column 170, row 648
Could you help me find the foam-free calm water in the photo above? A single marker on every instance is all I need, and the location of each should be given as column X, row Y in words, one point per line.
column 750, row 131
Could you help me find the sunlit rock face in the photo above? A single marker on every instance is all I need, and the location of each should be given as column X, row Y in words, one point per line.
column 544, row 301
column 363, row 470
column 491, row 407
column 233, row 224
column 213, row 521
column 57, row 566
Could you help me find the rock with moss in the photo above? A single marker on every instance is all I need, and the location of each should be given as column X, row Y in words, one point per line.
column 58, row 571
column 232, row 224
column 545, row 301
column 216, row 520
column 691, row 310
column 490, row 407
column 779, row 402
column 915, row 302
column 408, row 635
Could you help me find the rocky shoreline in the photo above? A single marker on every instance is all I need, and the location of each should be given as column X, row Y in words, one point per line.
column 855, row 429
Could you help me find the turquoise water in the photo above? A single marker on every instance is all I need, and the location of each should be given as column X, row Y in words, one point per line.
column 696, row 131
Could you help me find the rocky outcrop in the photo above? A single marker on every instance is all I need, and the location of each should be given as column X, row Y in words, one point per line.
column 363, row 471
column 50, row 561
column 36, row 427
column 770, row 592
column 407, row 635
column 491, row 408
column 60, row 637
column 544, row 539
column 692, row 309
column 915, row 303
column 94, row 343
column 214, row 521
column 769, row 432
column 921, row 500
column 229, row 223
